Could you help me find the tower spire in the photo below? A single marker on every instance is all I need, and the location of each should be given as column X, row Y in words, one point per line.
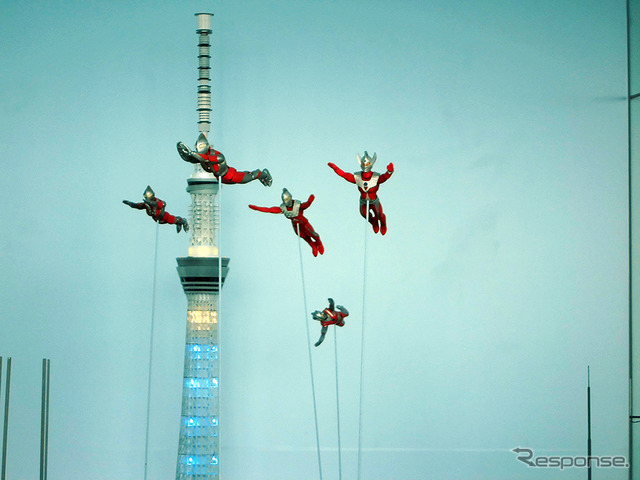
column 204, row 73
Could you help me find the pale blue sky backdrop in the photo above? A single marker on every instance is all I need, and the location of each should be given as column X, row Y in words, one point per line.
column 503, row 274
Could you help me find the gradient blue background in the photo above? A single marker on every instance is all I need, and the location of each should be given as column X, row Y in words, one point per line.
column 503, row 274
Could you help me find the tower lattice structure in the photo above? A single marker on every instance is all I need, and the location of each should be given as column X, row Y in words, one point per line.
column 202, row 275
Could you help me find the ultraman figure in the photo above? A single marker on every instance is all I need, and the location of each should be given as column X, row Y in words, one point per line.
column 155, row 208
column 293, row 210
column 214, row 162
column 368, row 183
column 332, row 315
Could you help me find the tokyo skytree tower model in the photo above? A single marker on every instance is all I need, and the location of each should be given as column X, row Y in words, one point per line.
column 202, row 275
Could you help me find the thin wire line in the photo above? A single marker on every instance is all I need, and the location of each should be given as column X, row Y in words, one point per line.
column 219, row 311
column 46, row 432
column 153, row 313
column 630, row 200
column 5, row 429
column 364, row 284
column 306, row 323
column 335, row 349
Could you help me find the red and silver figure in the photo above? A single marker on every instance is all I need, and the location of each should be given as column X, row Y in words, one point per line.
column 155, row 208
column 294, row 211
column 368, row 183
column 214, row 162
column 332, row 315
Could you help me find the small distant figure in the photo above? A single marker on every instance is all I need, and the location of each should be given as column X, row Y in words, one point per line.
column 332, row 315
column 293, row 210
column 368, row 183
column 156, row 209
column 214, row 162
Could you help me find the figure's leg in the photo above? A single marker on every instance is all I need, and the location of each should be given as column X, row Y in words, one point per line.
column 311, row 243
column 323, row 332
column 374, row 220
column 312, row 236
column 315, row 238
column 319, row 244
column 382, row 218
column 372, row 217
column 179, row 222
column 363, row 209
column 304, row 231
column 235, row 176
column 167, row 218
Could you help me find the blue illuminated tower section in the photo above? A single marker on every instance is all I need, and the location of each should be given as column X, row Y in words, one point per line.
column 202, row 275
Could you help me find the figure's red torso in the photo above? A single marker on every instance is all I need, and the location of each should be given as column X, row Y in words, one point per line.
column 333, row 318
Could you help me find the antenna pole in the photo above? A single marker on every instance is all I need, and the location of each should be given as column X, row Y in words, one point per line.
column 588, row 424
column 44, row 418
column 5, row 431
column 204, row 72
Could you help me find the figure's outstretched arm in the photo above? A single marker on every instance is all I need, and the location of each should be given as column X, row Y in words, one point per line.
column 347, row 176
column 265, row 209
column 386, row 175
column 187, row 155
column 323, row 332
column 139, row 206
column 307, row 204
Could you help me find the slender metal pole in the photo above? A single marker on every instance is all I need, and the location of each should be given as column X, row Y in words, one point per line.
column 631, row 241
column 42, row 416
column 5, row 431
column 588, row 424
column 1, row 393
column 46, row 418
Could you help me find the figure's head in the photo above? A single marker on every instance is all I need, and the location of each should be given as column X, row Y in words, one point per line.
column 202, row 144
column 319, row 316
column 148, row 195
column 366, row 162
column 287, row 199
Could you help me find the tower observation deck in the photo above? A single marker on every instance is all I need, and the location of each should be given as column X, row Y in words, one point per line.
column 202, row 274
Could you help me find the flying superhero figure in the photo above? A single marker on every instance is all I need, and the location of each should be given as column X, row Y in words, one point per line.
column 214, row 162
column 368, row 183
column 332, row 315
column 155, row 209
column 293, row 210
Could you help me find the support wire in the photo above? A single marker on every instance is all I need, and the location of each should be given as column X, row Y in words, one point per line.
column 306, row 323
column 364, row 289
column 5, row 430
column 219, row 311
column 153, row 315
column 335, row 349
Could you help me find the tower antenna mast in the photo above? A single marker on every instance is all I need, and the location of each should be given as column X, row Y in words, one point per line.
column 204, row 73
column 588, row 424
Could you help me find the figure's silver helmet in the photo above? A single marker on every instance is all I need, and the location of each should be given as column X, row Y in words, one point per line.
column 202, row 144
column 148, row 194
column 287, row 199
column 366, row 162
